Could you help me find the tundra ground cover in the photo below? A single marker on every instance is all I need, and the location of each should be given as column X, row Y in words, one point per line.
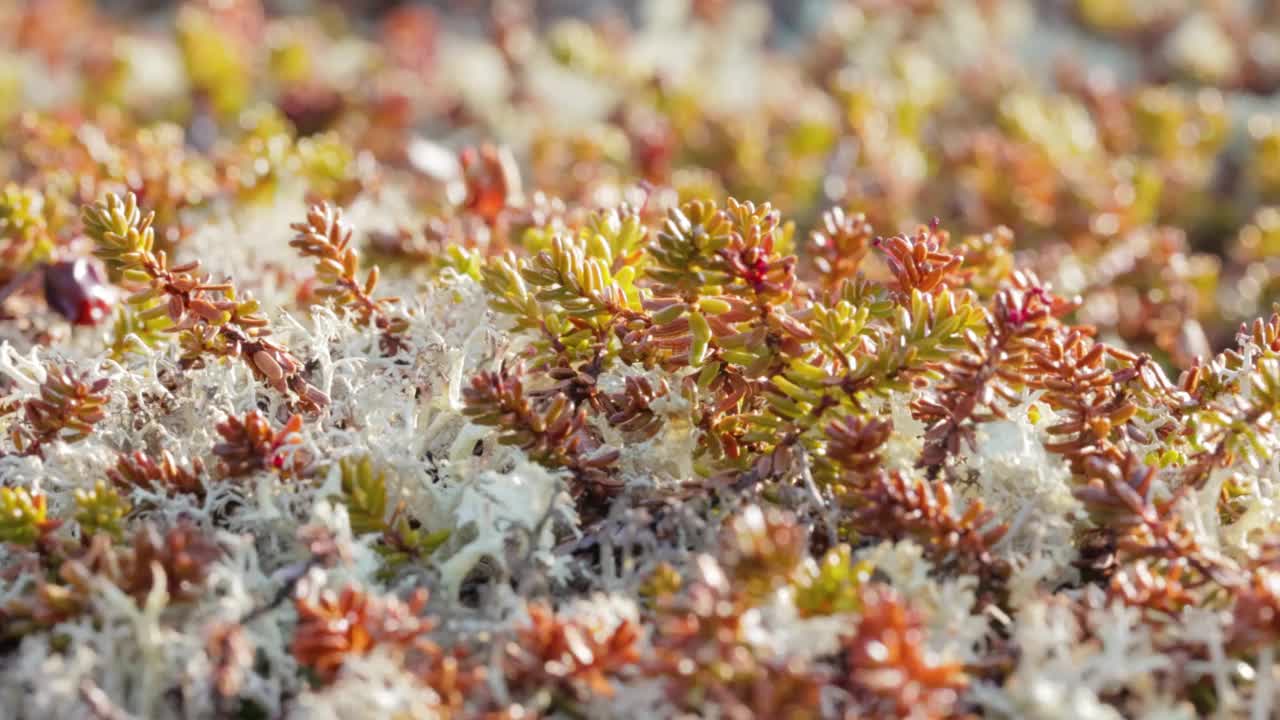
column 701, row 359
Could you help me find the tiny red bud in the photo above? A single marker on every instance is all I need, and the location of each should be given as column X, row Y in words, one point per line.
column 77, row 290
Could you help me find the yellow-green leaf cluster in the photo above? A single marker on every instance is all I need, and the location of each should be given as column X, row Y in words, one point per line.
column 100, row 510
